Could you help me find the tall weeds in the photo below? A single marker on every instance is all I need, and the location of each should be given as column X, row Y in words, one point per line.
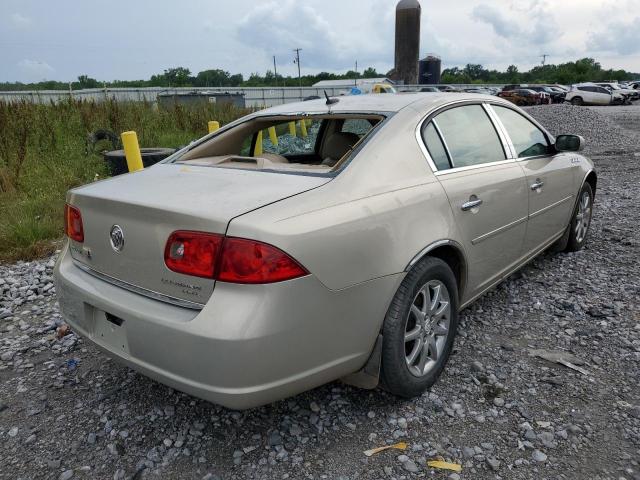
column 43, row 153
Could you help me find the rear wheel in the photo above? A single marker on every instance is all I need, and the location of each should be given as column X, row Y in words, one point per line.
column 581, row 220
column 419, row 329
column 577, row 101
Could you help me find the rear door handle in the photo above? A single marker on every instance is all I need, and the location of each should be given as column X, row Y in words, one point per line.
column 471, row 204
column 538, row 185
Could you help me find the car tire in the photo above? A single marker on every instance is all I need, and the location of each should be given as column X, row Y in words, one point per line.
column 412, row 314
column 580, row 220
column 577, row 101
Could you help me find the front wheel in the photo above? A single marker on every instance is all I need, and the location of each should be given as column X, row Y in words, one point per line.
column 576, row 101
column 419, row 329
column 581, row 220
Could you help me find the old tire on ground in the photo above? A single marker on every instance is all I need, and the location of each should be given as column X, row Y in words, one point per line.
column 117, row 162
column 577, row 101
column 419, row 329
column 581, row 220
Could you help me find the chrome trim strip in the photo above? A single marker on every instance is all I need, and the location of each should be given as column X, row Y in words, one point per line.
column 549, row 207
column 473, row 167
column 141, row 291
column 444, row 142
column 430, row 247
column 498, row 231
column 507, row 145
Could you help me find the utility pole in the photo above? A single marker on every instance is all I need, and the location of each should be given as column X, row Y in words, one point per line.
column 275, row 70
column 297, row 60
column 355, row 81
column 544, row 58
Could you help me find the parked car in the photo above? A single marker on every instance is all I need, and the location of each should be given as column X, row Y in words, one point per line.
column 429, row 89
column 628, row 94
column 554, row 95
column 591, row 94
column 243, row 272
column 524, row 96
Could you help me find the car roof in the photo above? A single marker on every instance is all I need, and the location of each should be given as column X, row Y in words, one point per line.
column 374, row 103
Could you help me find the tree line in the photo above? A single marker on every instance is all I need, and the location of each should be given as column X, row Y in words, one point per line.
column 583, row 70
column 586, row 69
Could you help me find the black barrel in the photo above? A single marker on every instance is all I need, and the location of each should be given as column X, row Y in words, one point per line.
column 117, row 162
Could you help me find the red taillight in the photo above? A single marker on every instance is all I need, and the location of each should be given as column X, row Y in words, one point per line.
column 73, row 223
column 193, row 253
column 248, row 261
column 228, row 259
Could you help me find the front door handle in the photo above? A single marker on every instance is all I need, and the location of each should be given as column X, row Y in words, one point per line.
column 538, row 185
column 471, row 204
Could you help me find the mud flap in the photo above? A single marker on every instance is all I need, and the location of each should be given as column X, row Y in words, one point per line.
column 368, row 377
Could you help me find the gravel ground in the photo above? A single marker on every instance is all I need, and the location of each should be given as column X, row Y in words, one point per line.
column 67, row 411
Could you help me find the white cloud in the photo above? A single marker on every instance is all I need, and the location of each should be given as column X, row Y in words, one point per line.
column 617, row 37
column 20, row 21
column 35, row 69
column 534, row 26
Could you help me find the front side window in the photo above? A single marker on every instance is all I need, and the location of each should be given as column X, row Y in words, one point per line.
column 470, row 136
column 527, row 138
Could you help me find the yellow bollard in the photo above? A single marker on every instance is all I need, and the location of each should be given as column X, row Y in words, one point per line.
column 257, row 151
column 132, row 151
column 213, row 126
column 303, row 128
column 292, row 129
column 272, row 135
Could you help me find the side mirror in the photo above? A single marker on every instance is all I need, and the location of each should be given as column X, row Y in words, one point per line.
column 570, row 143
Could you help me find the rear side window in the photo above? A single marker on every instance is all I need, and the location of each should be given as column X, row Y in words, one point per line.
column 435, row 147
column 470, row 136
column 527, row 139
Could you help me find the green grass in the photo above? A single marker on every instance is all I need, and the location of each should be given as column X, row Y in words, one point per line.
column 43, row 153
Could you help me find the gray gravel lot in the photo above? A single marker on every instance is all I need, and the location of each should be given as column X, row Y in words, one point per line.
column 67, row 411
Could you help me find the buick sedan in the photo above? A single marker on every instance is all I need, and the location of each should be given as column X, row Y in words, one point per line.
column 330, row 239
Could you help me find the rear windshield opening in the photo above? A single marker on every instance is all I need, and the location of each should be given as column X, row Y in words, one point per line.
column 318, row 143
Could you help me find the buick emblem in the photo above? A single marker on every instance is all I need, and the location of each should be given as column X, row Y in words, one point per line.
column 116, row 237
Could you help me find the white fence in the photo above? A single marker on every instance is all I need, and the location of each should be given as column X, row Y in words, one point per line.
column 254, row 97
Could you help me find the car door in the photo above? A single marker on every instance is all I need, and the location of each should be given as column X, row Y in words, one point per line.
column 550, row 178
column 486, row 190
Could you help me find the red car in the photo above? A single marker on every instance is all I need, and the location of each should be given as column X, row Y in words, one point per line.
column 525, row 96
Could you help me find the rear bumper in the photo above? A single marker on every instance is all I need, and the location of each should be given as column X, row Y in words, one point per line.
column 250, row 345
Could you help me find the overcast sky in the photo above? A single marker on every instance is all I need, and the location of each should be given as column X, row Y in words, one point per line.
column 133, row 39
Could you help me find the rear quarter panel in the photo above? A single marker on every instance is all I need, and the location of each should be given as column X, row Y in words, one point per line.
column 368, row 222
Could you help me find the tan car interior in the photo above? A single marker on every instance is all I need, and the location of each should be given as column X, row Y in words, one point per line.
column 332, row 145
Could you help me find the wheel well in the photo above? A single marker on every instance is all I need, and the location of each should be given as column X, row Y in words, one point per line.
column 454, row 258
column 592, row 179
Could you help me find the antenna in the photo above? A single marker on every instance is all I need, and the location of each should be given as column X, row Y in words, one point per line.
column 544, row 58
column 330, row 101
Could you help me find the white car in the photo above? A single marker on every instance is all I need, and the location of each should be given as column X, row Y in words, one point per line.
column 591, row 94
column 617, row 89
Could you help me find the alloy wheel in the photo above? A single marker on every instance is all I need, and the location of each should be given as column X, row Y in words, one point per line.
column 583, row 217
column 427, row 327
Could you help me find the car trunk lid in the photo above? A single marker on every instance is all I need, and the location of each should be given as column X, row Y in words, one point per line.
column 151, row 204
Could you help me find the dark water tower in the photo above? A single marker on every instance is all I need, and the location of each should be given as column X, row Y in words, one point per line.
column 407, row 41
column 429, row 69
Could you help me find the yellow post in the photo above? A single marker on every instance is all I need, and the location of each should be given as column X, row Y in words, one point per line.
column 257, row 151
column 213, row 126
column 303, row 128
column 292, row 129
column 132, row 151
column 273, row 136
